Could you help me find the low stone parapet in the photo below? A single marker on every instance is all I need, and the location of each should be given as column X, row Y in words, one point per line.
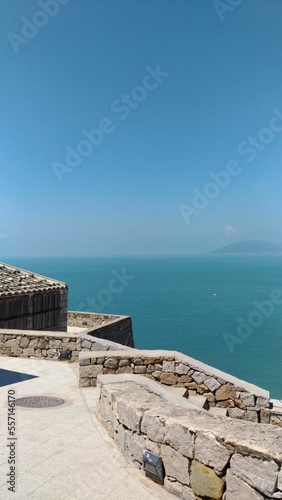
column 46, row 345
column 240, row 399
column 105, row 326
column 204, row 455
column 38, row 344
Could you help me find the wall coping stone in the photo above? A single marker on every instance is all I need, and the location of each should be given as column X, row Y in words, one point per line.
column 149, row 385
column 40, row 333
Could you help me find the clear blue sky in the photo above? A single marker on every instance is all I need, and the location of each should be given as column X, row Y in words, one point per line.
column 175, row 89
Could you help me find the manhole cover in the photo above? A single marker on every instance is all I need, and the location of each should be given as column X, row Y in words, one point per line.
column 39, row 401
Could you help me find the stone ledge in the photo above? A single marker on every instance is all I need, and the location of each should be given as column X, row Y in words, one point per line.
column 205, row 448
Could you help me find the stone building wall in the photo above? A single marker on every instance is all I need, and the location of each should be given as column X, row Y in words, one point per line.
column 204, row 456
column 219, row 390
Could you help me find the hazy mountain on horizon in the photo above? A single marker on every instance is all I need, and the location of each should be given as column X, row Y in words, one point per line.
column 250, row 247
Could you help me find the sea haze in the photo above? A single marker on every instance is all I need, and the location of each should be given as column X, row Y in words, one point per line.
column 185, row 303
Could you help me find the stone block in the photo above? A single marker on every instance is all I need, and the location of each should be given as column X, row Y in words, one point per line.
column 205, row 482
column 175, row 465
column 212, row 383
column 125, row 369
column 229, row 403
column 150, row 368
column 199, row 377
column 42, row 344
column 111, row 363
column 264, row 416
column 168, row 378
column 55, row 344
column 130, row 414
column 178, row 489
column 156, row 374
column 84, row 361
column 169, row 366
column 24, row 342
column 140, row 369
column 262, row 402
column 202, row 388
column 123, row 362
column 136, row 444
column 185, row 379
column 137, row 361
column 247, row 398
column 33, row 343
column 239, row 404
column 252, row 415
column 181, row 369
column 235, row 413
column 14, row 343
column 179, row 438
column 151, row 361
column 210, row 452
column 29, row 351
column 153, row 426
column 192, row 386
column 260, row 474
column 238, row 489
column 90, row 371
column 226, row 391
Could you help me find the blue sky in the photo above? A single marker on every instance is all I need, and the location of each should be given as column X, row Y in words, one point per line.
column 172, row 90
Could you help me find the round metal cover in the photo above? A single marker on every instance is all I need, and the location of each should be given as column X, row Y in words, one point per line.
column 39, row 401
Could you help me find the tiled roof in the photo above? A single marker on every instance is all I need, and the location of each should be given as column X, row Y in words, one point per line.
column 14, row 281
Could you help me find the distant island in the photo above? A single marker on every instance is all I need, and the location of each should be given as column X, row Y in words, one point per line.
column 250, row 247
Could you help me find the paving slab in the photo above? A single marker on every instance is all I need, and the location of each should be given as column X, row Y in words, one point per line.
column 63, row 452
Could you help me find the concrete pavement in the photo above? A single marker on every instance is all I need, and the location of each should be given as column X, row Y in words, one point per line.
column 63, row 452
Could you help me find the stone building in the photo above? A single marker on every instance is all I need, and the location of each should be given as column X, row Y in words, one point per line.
column 29, row 301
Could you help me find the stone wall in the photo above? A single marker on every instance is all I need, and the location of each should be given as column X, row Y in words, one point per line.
column 37, row 344
column 109, row 327
column 204, row 456
column 218, row 389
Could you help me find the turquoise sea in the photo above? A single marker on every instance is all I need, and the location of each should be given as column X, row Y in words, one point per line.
column 188, row 304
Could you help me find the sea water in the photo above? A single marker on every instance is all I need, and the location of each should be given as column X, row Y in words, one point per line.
column 191, row 304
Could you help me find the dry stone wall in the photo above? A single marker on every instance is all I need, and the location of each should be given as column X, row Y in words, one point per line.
column 204, row 456
column 39, row 344
column 219, row 390
column 46, row 345
column 109, row 327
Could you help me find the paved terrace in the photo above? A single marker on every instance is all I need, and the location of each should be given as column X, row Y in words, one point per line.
column 64, row 452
